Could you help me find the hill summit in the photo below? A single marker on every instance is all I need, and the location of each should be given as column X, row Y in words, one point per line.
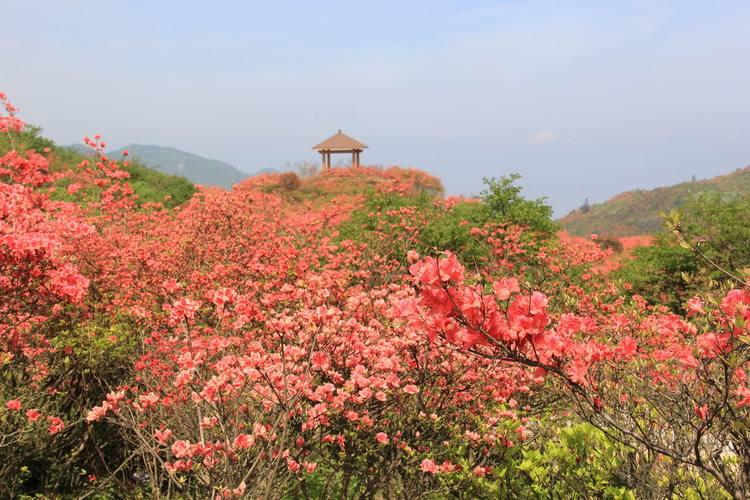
column 637, row 212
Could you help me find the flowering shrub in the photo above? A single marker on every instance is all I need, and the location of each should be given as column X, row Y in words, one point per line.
column 252, row 344
column 657, row 382
column 43, row 290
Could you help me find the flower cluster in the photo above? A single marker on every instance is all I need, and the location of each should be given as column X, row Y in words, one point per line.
column 239, row 345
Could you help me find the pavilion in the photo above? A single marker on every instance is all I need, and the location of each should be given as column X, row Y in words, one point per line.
column 339, row 143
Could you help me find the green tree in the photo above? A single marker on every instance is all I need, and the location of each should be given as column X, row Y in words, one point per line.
column 719, row 225
column 506, row 204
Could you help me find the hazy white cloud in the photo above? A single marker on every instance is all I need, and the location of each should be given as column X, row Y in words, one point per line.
column 735, row 136
column 543, row 137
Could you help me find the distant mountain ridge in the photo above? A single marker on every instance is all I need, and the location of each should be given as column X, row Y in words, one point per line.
column 177, row 162
column 637, row 212
column 168, row 160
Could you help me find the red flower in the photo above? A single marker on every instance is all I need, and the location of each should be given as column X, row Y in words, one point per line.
column 243, row 441
column 505, row 287
column 162, row 435
column 98, row 412
column 411, row 389
column 480, row 471
column 701, row 412
column 744, row 394
column 428, row 466
column 55, row 425
column 181, row 448
column 320, row 360
column 13, row 405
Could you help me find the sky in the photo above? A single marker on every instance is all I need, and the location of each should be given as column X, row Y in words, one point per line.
column 584, row 99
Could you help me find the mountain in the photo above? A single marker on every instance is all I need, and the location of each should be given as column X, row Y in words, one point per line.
column 176, row 162
column 79, row 148
column 637, row 212
column 173, row 161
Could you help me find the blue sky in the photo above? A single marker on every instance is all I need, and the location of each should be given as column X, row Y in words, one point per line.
column 584, row 99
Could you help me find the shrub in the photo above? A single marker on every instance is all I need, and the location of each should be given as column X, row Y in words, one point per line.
column 610, row 243
column 290, row 181
column 720, row 225
column 662, row 384
column 237, row 347
column 708, row 238
column 480, row 232
column 657, row 273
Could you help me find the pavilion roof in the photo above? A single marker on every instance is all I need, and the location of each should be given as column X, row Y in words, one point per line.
column 339, row 142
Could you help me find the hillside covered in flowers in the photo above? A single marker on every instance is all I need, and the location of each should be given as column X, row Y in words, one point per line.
column 353, row 334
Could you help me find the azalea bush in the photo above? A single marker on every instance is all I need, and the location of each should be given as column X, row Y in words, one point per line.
column 668, row 386
column 252, row 343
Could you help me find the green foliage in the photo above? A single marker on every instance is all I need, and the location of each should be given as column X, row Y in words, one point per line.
column 670, row 272
column 582, row 462
column 656, row 272
column 576, row 461
column 504, row 201
column 97, row 344
column 365, row 468
column 29, row 139
column 391, row 224
column 90, row 358
column 720, row 226
column 451, row 230
column 149, row 185
column 152, row 186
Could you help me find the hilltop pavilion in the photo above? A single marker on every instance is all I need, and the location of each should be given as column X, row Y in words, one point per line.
column 339, row 143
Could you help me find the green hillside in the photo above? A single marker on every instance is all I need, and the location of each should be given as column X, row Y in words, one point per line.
column 637, row 212
column 148, row 184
